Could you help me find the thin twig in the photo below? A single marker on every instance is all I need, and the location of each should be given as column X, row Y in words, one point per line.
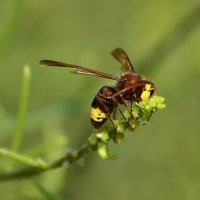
column 66, row 161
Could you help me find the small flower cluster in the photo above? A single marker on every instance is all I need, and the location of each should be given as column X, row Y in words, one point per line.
column 141, row 114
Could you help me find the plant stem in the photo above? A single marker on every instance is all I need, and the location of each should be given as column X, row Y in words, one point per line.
column 67, row 160
column 22, row 159
column 17, row 137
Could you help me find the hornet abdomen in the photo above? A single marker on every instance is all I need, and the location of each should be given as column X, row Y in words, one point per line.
column 102, row 106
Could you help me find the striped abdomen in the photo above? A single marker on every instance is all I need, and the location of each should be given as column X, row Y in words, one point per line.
column 102, row 106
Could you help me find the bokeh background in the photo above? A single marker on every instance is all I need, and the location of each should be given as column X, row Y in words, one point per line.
column 162, row 39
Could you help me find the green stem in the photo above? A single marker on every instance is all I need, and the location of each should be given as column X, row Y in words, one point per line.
column 36, row 169
column 22, row 159
column 17, row 137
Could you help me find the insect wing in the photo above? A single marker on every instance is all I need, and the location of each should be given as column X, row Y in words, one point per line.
column 123, row 58
column 78, row 69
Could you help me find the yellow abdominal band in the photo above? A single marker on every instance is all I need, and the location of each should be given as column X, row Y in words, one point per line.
column 97, row 115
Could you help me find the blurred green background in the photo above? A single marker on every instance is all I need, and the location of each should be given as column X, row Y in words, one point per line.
column 162, row 39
